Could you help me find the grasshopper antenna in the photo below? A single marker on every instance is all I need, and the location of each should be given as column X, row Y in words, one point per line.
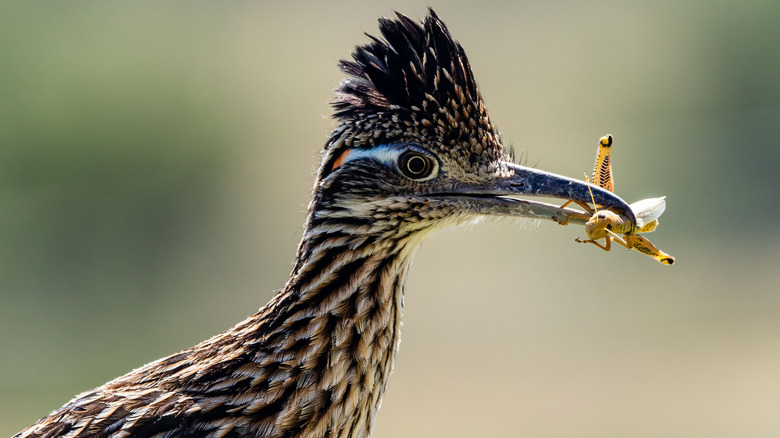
column 592, row 199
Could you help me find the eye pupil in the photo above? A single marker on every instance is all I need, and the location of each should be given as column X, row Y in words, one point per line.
column 415, row 165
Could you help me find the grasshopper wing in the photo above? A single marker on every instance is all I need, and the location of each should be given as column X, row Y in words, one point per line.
column 648, row 210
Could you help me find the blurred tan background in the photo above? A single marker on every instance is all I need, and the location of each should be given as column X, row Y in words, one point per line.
column 156, row 161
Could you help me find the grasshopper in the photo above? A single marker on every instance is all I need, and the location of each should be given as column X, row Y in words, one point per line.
column 613, row 226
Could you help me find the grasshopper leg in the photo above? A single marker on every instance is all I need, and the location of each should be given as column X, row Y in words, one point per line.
column 584, row 216
column 602, row 172
column 627, row 240
column 646, row 247
column 584, row 206
column 607, row 246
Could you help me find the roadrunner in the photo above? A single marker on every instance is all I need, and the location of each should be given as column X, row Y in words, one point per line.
column 413, row 151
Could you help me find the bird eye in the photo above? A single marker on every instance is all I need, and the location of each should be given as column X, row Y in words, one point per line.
column 415, row 165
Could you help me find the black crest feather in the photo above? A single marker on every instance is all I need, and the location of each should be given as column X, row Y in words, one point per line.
column 414, row 84
column 400, row 70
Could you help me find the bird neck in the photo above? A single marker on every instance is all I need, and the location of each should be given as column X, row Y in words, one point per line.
column 337, row 321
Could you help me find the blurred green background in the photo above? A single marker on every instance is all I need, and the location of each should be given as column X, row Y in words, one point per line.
column 156, row 160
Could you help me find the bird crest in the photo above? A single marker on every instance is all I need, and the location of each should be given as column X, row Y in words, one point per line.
column 414, row 84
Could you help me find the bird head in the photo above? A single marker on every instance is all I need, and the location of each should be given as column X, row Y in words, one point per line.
column 414, row 147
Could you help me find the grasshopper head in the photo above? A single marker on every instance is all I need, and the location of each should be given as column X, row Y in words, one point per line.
column 601, row 224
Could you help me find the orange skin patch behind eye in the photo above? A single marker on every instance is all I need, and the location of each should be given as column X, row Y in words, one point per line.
column 340, row 160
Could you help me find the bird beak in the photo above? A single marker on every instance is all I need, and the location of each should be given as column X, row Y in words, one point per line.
column 499, row 197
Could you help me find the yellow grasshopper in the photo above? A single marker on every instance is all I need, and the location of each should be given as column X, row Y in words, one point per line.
column 613, row 226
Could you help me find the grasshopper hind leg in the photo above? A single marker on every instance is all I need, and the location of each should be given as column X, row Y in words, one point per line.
column 646, row 247
column 602, row 171
column 602, row 177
